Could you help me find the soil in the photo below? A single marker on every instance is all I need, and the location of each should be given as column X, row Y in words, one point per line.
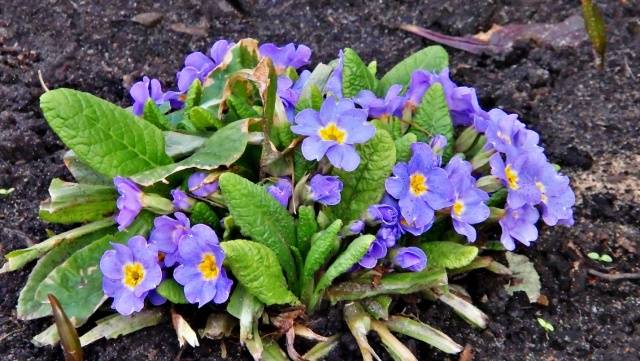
column 588, row 121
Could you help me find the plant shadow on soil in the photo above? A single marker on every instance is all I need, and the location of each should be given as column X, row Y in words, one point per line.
column 588, row 121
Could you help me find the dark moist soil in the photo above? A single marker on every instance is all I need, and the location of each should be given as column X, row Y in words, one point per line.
column 588, row 121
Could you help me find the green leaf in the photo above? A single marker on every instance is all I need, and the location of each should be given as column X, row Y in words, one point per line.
column 114, row 326
column 399, row 283
column 355, row 75
column 155, row 116
column 594, row 256
column 498, row 198
column 246, row 308
column 179, row 145
column 28, row 307
column 314, row 101
column 350, row 256
column 449, row 254
column 525, row 276
column 433, row 58
column 202, row 213
column 77, row 282
column 172, row 291
column 305, row 228
column 365, row 185
column 194, row 95
column 324, row 244
column 241, row 107
column 403, row 147
column 256, row 268
column 433, row 116
column 261, row 217
column 378, row 306
column 77, row 203
column 202, row 119
column 546, row 325
column 81, row 172
column 18, row 258
column 595, row 26
column 223, row 148
column 106, row 137
column 423, row 332
column 313, row 87
column 301, row 166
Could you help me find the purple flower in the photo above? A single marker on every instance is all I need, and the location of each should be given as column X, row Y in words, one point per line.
column 333, row 131
column 286, row 56
column 289, row 92
column 201, row 271
column 129, row 273
column 326, row 189
column 519, row 224
column 197, row 65
column 181, row 200
column 281, row 191
column 468, row 205
column 129, row 202
column 377, row 250
column 148, row 89
column 557, row 198
column 381, row 108
column 334, row 83
column 199, row 187
column 462, row 101
column 156, row 299
column 410, row 258
column 356, row 227
column 420, row 187
column 389, row 235
column 506, row 134
column 166, row 235
column 385, row 214
column 518, row 175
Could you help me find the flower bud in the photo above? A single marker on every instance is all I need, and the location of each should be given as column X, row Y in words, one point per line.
column 466, row 139
column 489, row 183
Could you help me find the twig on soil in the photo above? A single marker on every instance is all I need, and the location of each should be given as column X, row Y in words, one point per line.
column 614, row 276
column 42, row 83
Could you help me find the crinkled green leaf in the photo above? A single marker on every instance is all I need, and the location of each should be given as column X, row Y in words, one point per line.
column 433, row 116
column 525, row 277
column 194, row 95
column 104, row 136
column 172, row 291
column 261, row 217
column 77, row 283
column 155, row 116
column 77, row 203
column 202, row 213
column 323, row 245
column 403, row 147
column 241, row 107
column 222, row 149
column 350, row 256
column 355, row 75
column 433, row 58
column 114, row 326
column 365, row 185
column 305, row 228
column 256, row 268
column 202, row 119
column 28, row 306
column 449, row 254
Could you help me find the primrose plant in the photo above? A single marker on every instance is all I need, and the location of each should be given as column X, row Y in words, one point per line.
column 258, row 187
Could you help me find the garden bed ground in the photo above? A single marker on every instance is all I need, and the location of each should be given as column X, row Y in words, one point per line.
column 588, row 120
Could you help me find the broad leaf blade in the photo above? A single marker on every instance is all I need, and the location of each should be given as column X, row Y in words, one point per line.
column 424, row 333
column 77, row 283
column 256, row 268
column 305, row 228
column 433, row 116
column 104, row 136
column 77, row 203
column 449, row 254
column 355, row 75
column 324, row 245
column 525, row 276
column 261, row 217
column 403, row 147
column 222, row 149
column 433, row 58
column 172, row 291
column 365, row 185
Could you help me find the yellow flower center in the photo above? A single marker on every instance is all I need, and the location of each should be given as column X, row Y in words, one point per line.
column 208, row 266
column 331, row 132
column 512, row 177
column 542, row 189
column 418, row 184
column 458, row 207
column 133, row 274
